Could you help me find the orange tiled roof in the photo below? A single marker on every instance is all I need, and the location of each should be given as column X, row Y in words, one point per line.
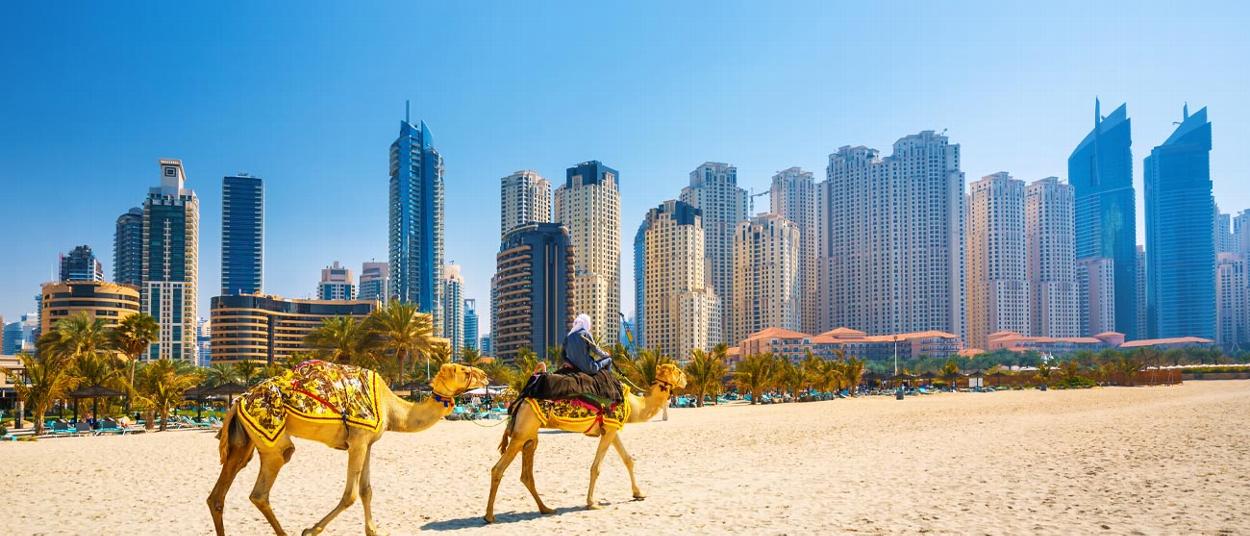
column 843, row 333
column 777, row 333
column 1171, row 340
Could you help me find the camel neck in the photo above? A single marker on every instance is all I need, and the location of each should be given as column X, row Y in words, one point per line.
column 408, row 416
column 643, row 408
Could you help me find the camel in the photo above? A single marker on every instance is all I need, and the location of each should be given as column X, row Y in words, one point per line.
column 521, row 435
column 237, row 442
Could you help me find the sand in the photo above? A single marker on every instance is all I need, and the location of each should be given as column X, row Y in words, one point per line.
column 1159, row 460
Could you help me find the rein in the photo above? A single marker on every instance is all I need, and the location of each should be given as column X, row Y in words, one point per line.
column 447, row 401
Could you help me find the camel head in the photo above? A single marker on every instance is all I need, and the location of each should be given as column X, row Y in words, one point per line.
column 453, row 379
column 670, row 376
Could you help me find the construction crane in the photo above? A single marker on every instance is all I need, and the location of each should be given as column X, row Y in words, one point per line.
column 754, row 195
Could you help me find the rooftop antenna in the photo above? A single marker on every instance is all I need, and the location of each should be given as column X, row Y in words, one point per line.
column 1185, row 110
column 407, row 111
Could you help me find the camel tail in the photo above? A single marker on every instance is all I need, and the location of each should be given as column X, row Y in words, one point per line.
column 232, row 435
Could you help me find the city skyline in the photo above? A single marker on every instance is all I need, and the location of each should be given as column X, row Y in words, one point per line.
column 347, row 197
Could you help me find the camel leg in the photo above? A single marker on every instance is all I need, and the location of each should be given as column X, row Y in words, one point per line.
column 356, row 454
column 366, row 495
column 629, row 466
column 496, row 473
column 270, row 463
column 236, row 460
column 527, row 473
column 604, row 441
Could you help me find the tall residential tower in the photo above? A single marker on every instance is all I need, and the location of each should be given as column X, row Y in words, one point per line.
column 416, row 220
column 589, row 206
column 723, row 205
column 793, row 196
column 524, row 197
column 676, row 310
column 998, row 285
column 1048, row 218
column 242, row 234
column 171, row 246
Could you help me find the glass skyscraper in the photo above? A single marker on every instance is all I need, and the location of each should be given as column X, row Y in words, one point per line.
column 171, row 245
column 470, row 323
column 128, row 248
column 1100, row 171
column 416, row 220
column 242, row 234
column 1180, row 248
column 80, row 264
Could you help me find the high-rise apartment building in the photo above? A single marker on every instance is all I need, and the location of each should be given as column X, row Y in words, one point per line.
column 765, row 275
column 793, row 196
column 892, row 229
column 533, row 293
column 589, row 206
column 453, row 307
column 676, row 310
column 722, row 205
column 1095, row 282
column 1100, row 171
column 1241, row 234
column 1049, row 208
column 470, row 324
column 128, row 248
column 524, row 197
column 80, row 264
column 375, row 281
column 336, row 283
column 1180, row 260
column 1222, row 230
column 1141, row 289
column 171, row 263
column 1232, row 298
column 416, row 220
column 997, row 267
column 485, row 346
column 242, row 234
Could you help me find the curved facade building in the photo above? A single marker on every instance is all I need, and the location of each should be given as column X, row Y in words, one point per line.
column 100, row 299
column 264, row 329
column 416, row 220
column 532, row 290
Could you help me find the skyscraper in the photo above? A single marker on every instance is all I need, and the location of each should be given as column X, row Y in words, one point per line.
column 80, row 264
column 470, row 324
column 1095, row 281
column 765, row 276
column 171, row 263
column 722, row 205
column 1223, row 232
column 19, row 336
column 242, row 234
column 892, row 249
column 1241, row 234
column 416, row 220
column 1180, row 260
column 336, row 283
column 524, row 197
column 375, row 281
column 1232, row 298
column 998, row 285
column 676, row 310
column 1141, row 289
column 1100, row 171
column 453, row 307
column 793, row 197
column 128, row 248
column 533, row 291
column 589, row 206
column 1048, row 216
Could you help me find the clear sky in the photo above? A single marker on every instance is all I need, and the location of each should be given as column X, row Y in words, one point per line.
column 309, row 96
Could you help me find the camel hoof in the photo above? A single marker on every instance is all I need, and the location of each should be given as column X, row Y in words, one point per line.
column 490, row 518
column 546, row 511
column 374, row 533
column 311, row 532
column 593, row 506
column 639, row 497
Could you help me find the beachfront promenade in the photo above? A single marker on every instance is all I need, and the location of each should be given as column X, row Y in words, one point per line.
column 1160, row 460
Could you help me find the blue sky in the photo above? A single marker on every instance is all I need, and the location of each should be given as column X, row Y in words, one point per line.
column 309, row 96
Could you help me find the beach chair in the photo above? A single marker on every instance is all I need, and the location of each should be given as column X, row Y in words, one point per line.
column 61, row 428
column 83, row 428
column 110, row 426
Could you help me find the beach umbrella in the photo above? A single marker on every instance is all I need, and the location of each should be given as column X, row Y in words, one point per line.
column 227, row 390
column 198, row 394
column 94, row 392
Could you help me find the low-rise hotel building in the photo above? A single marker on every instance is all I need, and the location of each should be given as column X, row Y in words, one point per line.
column 794, row 345
column 265, row 329
column 108, row 301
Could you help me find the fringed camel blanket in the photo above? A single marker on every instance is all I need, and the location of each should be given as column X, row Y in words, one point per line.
column 577, row 414
column 315, row 391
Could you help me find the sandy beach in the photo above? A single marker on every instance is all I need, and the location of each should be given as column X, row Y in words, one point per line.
column 1162, row 460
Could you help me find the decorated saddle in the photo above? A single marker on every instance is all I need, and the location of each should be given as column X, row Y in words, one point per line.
column 579, row 414
column 314, row 391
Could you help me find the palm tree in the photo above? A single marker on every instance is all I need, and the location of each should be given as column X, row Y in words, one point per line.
column 339, row 339
column 404, row 332
column 526, row 363
column 132, row 337
column 831, row 376
column 500, row 373
column 471, row 357
column 45, row 378
column 853, row 373
column 97, row 369
column 790, row 377
column 812, row 368
column 705, row 372
column 248, row 371
column 755, row 374
column 641, row 369
column 219, row 374
column 162, row 383
column 950, row 372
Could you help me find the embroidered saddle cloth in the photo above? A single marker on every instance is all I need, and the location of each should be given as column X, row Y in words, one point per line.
column 314, row 391
column 578, row 414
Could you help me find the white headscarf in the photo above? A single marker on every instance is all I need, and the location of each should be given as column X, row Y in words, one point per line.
column 582, row 322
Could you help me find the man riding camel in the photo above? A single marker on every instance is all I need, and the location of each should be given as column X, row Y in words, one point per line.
column 586, row 371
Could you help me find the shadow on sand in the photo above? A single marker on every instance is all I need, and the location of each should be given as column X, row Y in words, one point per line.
column 500, row 519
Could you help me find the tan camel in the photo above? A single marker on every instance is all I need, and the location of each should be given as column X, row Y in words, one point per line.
column 238, row 442
column 521, row 435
